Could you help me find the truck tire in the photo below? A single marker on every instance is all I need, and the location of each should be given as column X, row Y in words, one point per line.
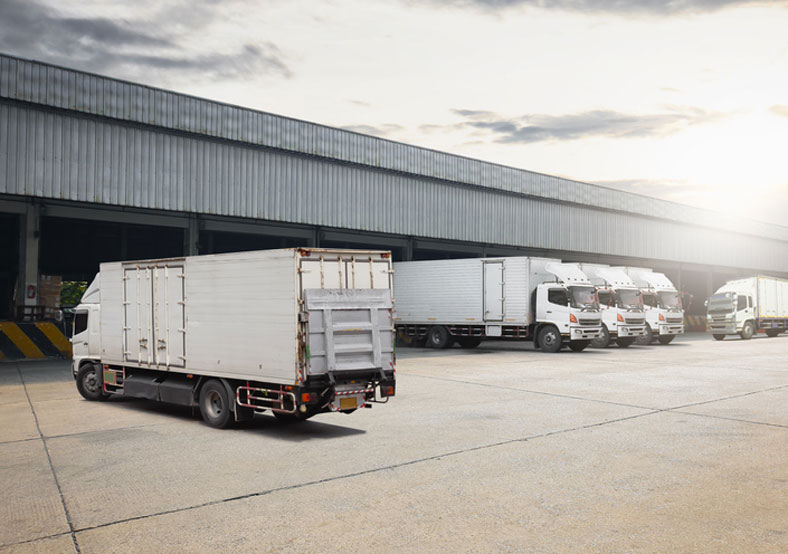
column 438, row 337
column 88, row 383
column 747, row 331
column 772, row 332
column 648, row 338
column 718, row 337
column 579, row 345
column 603, row 341
column 215, row 404
column 550, row 339
column 469, row 342
column 625, row 342
column 667, row 339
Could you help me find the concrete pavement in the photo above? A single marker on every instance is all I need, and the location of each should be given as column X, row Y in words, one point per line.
column 650, row 449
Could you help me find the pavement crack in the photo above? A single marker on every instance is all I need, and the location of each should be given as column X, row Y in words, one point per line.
column 296, row 486
column 49, row 460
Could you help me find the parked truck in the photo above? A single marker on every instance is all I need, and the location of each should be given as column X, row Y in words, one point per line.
column 295, row 331
column 745, row 306
column 623, row 317
column 440, row 302
column 661, row 303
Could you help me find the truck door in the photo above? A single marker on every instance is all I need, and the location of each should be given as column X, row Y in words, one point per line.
column 169, row 315
column 137, row 317
column 154, row 316
column 493, row 291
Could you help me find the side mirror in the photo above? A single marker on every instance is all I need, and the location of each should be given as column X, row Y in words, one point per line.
column 706, row 303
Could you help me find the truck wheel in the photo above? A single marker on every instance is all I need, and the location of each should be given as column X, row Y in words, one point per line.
column 603, row 341
column 215, row 405
column 772, row 332
column 718, row 337
column 648, row 338
column 438, row 337
column 579, row 345
column 88, row 383
column 550, row 339
column 747, row 331
column 667, row 339
column 625, row 342
column 469, row 342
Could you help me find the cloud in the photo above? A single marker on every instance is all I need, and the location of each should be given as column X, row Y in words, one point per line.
column 779, row 109
column 628, row 7
column 595, row 123
column 384, row 130
column 31, row 29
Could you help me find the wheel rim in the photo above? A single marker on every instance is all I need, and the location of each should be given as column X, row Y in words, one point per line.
column 549, row 339
column 90, row 382
column 213, row 404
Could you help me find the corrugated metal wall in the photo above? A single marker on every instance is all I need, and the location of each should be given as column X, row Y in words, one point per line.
column 56, row 155
column 44, row 84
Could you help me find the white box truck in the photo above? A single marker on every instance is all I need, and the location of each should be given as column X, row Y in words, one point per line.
column 440, row 302
column 662, row 305
column 297, row 331
column 623, row 318
column 744, row 306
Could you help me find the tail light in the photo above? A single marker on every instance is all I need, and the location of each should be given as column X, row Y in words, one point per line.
column 572, row 318
column 620, row 318
column 387, row 388
column 308, row 397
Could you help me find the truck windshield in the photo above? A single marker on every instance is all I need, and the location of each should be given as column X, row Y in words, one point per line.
column 650, row 299
column 669, row 299
column 721, row 303
column 583, row 297
column 629, row 298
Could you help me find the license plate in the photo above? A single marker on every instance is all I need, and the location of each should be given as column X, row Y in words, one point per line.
column 348, row 403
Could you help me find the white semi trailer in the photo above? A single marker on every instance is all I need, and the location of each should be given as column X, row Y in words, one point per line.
column 295, row 331
column 662, row 305
column 744, row 306
column 468, row 300
column 623, row 317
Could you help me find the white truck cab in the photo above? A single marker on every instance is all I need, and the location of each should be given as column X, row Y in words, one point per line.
column 623, row 317
column 662, row 305
column 86, row 335
column 568, row 304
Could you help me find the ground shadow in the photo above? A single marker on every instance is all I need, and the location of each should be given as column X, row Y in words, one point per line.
column 264, row 424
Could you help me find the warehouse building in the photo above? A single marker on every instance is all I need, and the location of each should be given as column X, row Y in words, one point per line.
column 96, row 169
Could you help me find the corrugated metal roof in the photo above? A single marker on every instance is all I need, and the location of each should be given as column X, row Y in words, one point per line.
column 45, row 84
column 52, row 154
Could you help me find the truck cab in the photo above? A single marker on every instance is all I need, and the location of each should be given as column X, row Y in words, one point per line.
column 661, row 303
column 86, row 335
column 623, row 316
column 731, row 310
column 568, row 304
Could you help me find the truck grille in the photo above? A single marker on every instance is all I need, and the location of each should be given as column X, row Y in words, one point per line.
column 634, row 320
column 589, row 321
column 674, row 320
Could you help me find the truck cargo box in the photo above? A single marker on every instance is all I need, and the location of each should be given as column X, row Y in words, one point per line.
column 276, row 316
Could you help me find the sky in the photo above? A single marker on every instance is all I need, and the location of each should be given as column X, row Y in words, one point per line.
column 685, row 100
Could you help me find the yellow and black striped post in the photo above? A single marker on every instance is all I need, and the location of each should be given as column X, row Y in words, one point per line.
column 43, row 339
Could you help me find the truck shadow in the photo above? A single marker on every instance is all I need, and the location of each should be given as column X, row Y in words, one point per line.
column 263, row 424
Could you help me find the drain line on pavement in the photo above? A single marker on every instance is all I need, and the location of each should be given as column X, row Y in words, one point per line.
column 49, row 460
